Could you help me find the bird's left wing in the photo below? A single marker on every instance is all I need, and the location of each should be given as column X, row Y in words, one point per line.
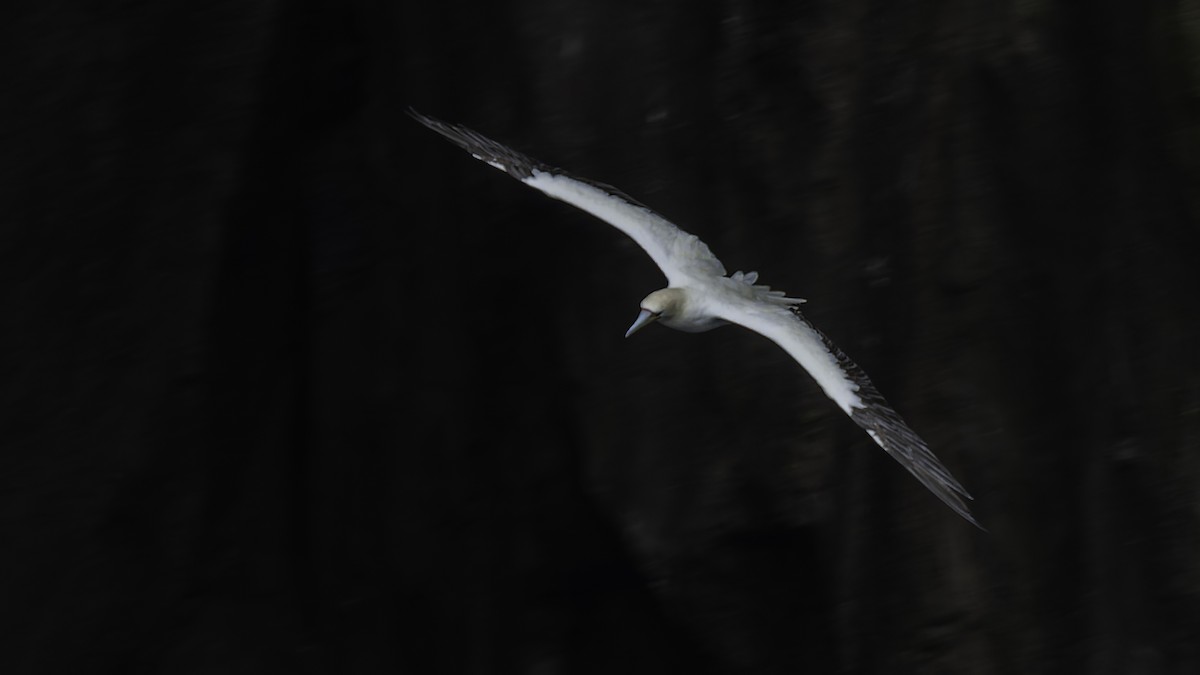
column 849, row 387
column 680, row 255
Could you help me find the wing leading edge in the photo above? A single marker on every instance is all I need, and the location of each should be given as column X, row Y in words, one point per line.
column 681, row 256
column 849, row 387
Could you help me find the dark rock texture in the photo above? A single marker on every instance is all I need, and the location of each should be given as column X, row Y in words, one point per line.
column 291, row 385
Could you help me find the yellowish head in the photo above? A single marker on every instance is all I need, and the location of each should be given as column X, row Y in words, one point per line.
column 661, row 304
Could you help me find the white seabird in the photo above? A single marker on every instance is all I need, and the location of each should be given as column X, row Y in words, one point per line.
column 699, row 297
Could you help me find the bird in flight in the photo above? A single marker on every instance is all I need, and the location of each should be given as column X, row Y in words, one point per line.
column 700, row 296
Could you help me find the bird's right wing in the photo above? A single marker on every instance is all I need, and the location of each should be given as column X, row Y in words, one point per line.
column 844, row 382
column 680, row 255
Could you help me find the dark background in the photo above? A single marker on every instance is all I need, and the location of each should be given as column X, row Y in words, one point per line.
column 292, row 385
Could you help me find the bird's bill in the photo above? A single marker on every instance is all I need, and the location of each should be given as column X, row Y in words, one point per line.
column 645, row 317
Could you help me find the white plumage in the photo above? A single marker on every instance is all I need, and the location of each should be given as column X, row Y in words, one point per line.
column 699, row 296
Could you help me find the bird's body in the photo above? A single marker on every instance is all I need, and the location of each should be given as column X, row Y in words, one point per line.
column 700, row 296
column 695, row 306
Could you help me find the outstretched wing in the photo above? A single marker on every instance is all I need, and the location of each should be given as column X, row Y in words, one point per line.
column 680, row 255
column 849, row 387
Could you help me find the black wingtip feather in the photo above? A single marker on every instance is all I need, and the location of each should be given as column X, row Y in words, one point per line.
column 893, row 434
column 517, row 165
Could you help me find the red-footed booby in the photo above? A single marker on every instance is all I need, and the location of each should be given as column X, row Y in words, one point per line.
column 700, row 296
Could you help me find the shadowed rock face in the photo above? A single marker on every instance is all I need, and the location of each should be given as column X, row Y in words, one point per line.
column 291, row 386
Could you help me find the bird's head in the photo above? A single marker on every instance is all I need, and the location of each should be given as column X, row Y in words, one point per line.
column 661, row 304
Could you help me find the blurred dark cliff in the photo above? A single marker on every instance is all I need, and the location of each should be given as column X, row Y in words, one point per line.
column 292, row 385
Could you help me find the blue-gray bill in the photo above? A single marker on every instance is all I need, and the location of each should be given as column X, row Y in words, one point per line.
column 644, row 318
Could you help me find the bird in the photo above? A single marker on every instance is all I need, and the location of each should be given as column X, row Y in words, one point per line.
column 701, row 296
